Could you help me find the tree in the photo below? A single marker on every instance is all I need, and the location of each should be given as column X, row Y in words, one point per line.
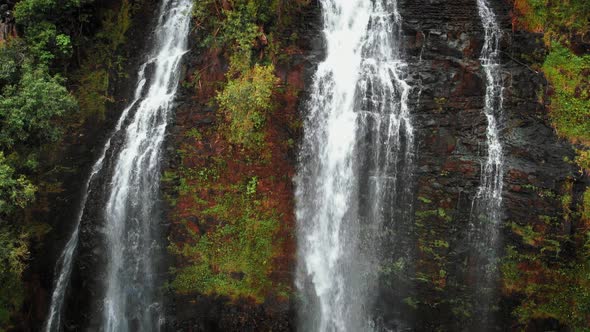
column 29, row 109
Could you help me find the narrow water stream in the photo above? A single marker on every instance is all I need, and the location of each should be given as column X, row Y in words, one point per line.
column 487, row 205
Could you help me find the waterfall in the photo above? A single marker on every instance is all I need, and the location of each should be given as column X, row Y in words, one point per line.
column 358, row 135
column 63, row 268
column 490, row 190
column 487, row 205
column 130, row 216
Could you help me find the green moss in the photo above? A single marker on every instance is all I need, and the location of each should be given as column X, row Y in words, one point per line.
column 411, row 302
column 586, row 205
column 194, row 134
column 560, row 292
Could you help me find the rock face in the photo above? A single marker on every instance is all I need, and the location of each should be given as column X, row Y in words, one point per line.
column 443, row 40
column 200, row 312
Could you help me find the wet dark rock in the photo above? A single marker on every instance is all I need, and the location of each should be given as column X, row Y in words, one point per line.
column 442, row 41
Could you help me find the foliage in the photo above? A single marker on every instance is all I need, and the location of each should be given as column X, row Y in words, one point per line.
column 28, row 110
column 95, row 72
column 550, row 270
column 555, row 16
column 551, row 280
column 583, row 160
column 12, row 56
column 570, row 104
column 46, row 43
column 232, row 220
column 236, row 26
column 234, row 256
column 561, row 291
column 245, row 102
column 13, row 253
column 34, row 107
column 47, row 25
column 16, row 191
column 32, row 102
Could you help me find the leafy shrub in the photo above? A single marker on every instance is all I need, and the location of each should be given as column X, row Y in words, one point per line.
column 245, row 102
column 28, row 110
column 16, row 191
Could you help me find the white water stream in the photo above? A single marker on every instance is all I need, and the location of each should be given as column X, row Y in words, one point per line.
column 486, row 217
column 358, row 117
column 131, row 219
column 130, row 302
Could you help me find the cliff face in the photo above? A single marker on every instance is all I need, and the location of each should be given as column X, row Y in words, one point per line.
column 442, row 40
column 215, row 189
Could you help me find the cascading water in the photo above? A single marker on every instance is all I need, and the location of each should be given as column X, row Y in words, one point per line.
column 490, row 191
column 357, row 134
column 131, row 219
column 64, row 264
column 487, row 205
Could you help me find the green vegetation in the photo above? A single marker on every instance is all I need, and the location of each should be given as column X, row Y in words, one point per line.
column 33, row 101
column 563, row 23
column 231, row 242
column 103, row 61
column 569, row 75
column 16, row 191
column 431, row 225
column 29, row 109
column 549, row 269
column 246, row 97
column 550, row 279
column 245, row 102
column 234, row 258
column 13, row 253
column 229, row 233
column 245, row 30
column 549, row 289
column 555, row 16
